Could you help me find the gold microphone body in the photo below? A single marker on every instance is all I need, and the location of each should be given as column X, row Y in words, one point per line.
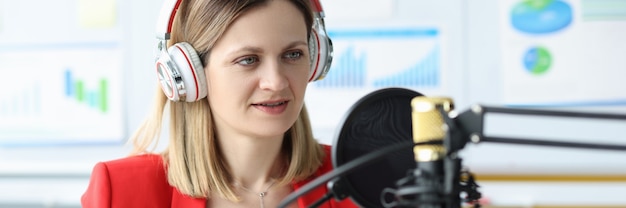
column 427, row 123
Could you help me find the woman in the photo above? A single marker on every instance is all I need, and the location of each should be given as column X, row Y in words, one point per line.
column 248, row 143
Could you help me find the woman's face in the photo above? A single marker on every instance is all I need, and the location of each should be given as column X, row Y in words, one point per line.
column 258, row 72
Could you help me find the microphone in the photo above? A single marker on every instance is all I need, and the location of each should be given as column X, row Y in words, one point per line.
column 437, row 181
column 428, row 127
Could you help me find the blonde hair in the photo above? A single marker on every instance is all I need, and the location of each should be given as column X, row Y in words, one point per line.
column 194, row 161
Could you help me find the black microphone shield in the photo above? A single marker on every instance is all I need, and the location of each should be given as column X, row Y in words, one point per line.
column 379, row 119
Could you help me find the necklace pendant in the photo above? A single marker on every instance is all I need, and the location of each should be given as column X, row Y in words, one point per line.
column 261, row 195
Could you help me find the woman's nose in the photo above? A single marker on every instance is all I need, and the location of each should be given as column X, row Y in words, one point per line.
column 272, row 77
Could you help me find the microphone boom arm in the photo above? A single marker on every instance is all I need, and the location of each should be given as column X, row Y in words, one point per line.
column 469, row 127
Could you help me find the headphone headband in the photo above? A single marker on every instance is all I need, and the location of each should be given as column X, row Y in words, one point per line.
column 166, row 19
column 170, row 7
column 317, row 6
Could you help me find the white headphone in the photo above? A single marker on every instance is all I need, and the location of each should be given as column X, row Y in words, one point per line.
column 180, row 71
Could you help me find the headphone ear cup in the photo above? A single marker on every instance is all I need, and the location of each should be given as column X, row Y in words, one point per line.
column 165, row 75
column 190, row 67
column 320, row 51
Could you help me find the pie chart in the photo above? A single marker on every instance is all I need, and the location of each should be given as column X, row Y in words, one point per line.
column 541, row 16
column 537, row 60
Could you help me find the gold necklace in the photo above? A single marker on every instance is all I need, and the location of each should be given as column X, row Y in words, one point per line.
column 261, row 195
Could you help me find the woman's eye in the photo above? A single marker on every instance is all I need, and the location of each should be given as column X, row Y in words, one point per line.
column 247, row 60
column 293, row 54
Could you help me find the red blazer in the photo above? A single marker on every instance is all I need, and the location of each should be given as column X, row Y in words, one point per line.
column 141, row 181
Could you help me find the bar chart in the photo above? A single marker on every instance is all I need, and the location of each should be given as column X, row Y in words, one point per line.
column 385, row 57
column 94, row 98
column 61, row 94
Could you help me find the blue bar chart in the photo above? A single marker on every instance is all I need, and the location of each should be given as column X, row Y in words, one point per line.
column 385, row 57
column 94, row 98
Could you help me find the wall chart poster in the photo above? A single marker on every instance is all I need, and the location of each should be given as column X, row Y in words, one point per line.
column 61, row 74
column 563, row 52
